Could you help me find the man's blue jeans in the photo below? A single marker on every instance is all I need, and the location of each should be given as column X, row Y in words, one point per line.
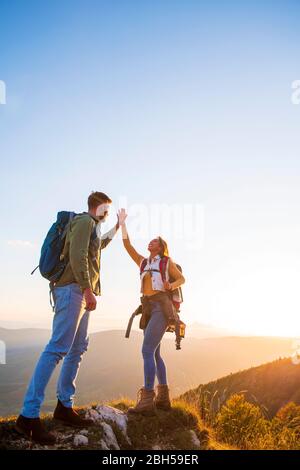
column 153, row 334
column 69, row 341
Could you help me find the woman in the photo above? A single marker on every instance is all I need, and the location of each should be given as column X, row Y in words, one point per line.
column 156, row 300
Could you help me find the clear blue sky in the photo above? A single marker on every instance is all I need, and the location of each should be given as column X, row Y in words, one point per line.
column 159, row 102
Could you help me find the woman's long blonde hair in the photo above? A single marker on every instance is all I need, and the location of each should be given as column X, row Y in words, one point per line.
column 164, row 247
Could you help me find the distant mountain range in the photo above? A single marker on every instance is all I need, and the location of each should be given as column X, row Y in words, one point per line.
column 203, row 330
column 112, row 367
column 195, row 330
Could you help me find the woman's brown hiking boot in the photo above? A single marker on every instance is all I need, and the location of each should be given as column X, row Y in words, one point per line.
column 162, row 399
column 145, row 403
column 33, row 429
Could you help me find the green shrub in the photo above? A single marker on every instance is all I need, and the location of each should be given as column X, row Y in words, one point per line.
column 242, row 424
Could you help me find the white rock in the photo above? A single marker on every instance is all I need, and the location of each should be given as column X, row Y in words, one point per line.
column 104, row 415
column 103, row 445
column 80, row 440
column 65, row 437
column 93, row 415
column 108, row 413
column 84, row 432
column 109, row 437
column 194, row 438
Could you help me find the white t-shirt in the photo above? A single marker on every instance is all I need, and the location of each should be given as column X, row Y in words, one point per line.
column 152, row 266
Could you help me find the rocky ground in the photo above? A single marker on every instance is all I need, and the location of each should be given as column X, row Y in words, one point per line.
column 180, row 428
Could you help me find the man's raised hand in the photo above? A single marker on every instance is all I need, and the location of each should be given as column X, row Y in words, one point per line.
column 122, row 216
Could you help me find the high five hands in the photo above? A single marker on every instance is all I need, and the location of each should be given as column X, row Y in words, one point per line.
column 121, row 216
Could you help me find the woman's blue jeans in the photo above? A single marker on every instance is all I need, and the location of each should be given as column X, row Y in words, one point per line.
column 69, row 340
column 153, row 334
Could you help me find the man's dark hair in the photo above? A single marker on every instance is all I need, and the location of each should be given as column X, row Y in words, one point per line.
column 96, row 198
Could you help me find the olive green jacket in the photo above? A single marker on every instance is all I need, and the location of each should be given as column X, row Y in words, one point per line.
column 82, row 253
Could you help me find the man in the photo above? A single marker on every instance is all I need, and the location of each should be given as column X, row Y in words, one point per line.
column 75, row 297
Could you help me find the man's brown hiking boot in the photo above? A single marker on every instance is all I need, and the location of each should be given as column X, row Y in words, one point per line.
column 145, row 403
column 70, row 417
column 33, row 429
column 162, row 399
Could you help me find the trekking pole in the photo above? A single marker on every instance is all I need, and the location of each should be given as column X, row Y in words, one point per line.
column 136, row 312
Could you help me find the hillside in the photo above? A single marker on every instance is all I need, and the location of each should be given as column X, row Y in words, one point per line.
column 112, row 367
column 258, row 408
column 181, row 429
column 270, row 385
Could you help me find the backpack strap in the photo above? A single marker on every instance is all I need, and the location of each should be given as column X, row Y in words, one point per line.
column 163, row 263
column 72, row 217
column 67, row 225
column 51, row 296
column 143, row 265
